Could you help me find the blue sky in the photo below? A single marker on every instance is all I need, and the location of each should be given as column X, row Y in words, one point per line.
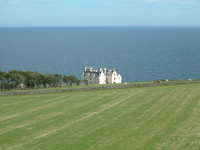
column 99, row 12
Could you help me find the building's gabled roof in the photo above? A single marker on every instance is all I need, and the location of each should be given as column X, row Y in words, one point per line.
column 90, row 72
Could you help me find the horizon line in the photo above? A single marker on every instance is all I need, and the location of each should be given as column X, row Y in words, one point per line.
column 163, row 26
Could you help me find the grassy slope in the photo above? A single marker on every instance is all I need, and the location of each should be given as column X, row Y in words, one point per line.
column 165, row 117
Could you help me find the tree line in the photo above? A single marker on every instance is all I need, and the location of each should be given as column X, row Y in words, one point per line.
column 28, row 80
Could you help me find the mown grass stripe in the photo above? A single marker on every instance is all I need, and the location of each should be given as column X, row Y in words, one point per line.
column 83, row 118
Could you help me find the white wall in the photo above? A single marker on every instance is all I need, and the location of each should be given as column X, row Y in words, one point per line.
column 102, row 78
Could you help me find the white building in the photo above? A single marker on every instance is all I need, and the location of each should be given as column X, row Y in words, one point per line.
column 101, row 76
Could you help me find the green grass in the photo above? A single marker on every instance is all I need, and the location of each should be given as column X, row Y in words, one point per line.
column 161, row 117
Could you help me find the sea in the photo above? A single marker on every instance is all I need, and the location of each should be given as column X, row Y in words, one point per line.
column 137, row 53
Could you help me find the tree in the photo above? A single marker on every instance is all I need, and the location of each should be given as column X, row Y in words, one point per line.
column 6, row 81
column 30, row 79
column 44, row 80
column 2, row 80
column 35, row 76
column 69, row 79
column 56, row 80
column 66, row 79
column 77, row 81
column 85, row 81
column 17, row 79
column 72, row 79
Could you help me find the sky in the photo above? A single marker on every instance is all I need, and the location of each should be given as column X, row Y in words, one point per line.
column 99, row 13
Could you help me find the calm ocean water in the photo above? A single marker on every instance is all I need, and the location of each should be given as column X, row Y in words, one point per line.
column 137, row 53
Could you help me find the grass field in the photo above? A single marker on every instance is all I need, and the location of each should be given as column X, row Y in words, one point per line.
column 146, row 118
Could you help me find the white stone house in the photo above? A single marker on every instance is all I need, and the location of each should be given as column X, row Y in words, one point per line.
column 101, row 76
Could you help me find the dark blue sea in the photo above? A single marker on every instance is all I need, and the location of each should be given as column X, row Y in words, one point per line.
column 137, row 53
